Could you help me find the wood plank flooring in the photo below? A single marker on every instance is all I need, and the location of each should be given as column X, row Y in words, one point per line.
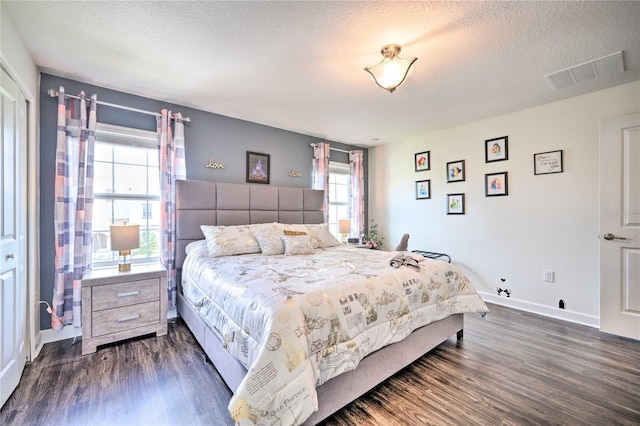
column 514, row 369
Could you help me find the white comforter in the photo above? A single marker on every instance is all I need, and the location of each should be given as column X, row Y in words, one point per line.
column 297, row 321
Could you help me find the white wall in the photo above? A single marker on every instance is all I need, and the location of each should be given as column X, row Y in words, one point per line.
column 546, row 221
column 17, row 61
column 15, row 56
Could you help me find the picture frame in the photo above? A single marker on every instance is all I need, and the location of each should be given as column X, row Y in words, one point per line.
column 258, row 167
column 422, row 161
column 455, row 171
column 496, row 149
column 455, row 204
column 496, row 184
column 545, row 163
column 423, row 189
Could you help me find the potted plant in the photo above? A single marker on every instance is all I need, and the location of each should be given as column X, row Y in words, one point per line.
column 371, row 239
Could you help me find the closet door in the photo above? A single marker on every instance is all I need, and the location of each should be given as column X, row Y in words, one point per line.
column 13, row 283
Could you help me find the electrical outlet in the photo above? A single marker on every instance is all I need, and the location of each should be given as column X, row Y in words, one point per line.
column 548, row 276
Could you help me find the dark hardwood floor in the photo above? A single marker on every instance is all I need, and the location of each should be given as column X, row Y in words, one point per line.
column 514, row 369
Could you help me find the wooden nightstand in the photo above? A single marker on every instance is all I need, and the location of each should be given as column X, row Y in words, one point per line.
column 120, row 305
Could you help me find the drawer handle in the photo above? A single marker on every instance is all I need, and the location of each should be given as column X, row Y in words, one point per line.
column 128, row 293
column 129, row 318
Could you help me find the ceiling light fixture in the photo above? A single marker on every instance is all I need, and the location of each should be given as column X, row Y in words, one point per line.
column 393, row 70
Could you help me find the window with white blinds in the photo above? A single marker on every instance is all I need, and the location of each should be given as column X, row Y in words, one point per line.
column 339, row 195
column 126, row 189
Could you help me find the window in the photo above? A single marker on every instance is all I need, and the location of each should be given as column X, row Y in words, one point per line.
column 339, row 195
column 126, row 188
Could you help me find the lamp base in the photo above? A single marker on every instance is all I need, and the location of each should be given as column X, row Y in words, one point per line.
column 124, row 261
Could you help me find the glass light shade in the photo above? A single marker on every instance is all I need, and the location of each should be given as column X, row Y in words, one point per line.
column 392, row 71
column 124, row 238
column 344, row 226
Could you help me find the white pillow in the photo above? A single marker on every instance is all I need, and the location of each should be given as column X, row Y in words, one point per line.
column 230, row 240
column 297, row 244
column 321, row 233
column 194, row 246
column 269, row 236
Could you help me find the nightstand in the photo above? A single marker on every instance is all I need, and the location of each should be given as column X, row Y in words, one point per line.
column 120, row 305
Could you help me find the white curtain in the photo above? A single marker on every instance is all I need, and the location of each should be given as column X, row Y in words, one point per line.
column 321, row 173
column 73, row 206
column 356, row 204
column 172, row 167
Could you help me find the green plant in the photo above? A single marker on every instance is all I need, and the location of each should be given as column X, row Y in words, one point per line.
column 372, row 239
column 149, row 245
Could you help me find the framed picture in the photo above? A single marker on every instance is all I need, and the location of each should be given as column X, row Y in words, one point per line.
column 423, row 189
column 455, row 171
column 547, row 162
column 496, row 149
column 422, row 161
column 258, row 167
column 496, row 184
column 455, row 203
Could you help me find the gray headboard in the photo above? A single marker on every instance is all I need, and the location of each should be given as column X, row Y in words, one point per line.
column 214, row 203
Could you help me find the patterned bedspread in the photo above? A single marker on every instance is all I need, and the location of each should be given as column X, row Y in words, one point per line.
column 297, row 321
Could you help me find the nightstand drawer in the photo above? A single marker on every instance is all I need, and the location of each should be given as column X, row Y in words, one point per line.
column 125, row 318
column 125, row 294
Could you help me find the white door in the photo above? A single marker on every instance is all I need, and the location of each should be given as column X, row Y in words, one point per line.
column 13, row 283
column 620, row 226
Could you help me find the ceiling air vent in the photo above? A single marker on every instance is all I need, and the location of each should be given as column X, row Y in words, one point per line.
column 597, row 68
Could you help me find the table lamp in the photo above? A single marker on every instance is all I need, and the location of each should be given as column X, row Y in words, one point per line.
column 125, row 238
column 344, row 226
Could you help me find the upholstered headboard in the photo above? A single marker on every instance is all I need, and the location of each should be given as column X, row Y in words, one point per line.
column 213, row 203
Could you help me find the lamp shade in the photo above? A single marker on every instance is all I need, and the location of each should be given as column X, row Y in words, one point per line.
column 125, row 237
column 345, row 226
column 393, row 70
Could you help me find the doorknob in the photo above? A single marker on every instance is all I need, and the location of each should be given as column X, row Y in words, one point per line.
column 610, row 237
column 9, row 256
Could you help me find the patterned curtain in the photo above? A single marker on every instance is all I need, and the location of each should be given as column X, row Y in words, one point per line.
column 357, row 190
column 172, row 167
column 321, row 173
column 73, row 205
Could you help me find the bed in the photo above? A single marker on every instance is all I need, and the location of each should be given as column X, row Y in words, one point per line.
column 277, row 302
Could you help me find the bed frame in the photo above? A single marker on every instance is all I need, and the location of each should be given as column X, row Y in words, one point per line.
column 210, row 203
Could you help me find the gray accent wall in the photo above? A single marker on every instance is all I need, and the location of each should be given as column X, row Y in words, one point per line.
column 208, row 137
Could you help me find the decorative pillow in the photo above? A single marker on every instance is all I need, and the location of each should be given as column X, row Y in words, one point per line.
column 269, row 236
column 297, row 244
column 294, row 227
column 229, row 240
column 194, row 246
column 289, row 232
column 321, row 233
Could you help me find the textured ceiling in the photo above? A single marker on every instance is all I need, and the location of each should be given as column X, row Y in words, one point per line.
column 299, row 65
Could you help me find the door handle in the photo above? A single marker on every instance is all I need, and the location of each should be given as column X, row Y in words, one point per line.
column 9, row 256
column 608, row 236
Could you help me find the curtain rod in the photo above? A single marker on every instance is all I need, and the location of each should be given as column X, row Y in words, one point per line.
column 54, row 93
column 333, row 149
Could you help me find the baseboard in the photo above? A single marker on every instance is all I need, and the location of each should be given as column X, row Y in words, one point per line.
column 172, row 312
column 547, row 311
column 67, row 332
column 37, row 345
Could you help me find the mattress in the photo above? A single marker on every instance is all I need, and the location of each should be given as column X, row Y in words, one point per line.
column 297, row 321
